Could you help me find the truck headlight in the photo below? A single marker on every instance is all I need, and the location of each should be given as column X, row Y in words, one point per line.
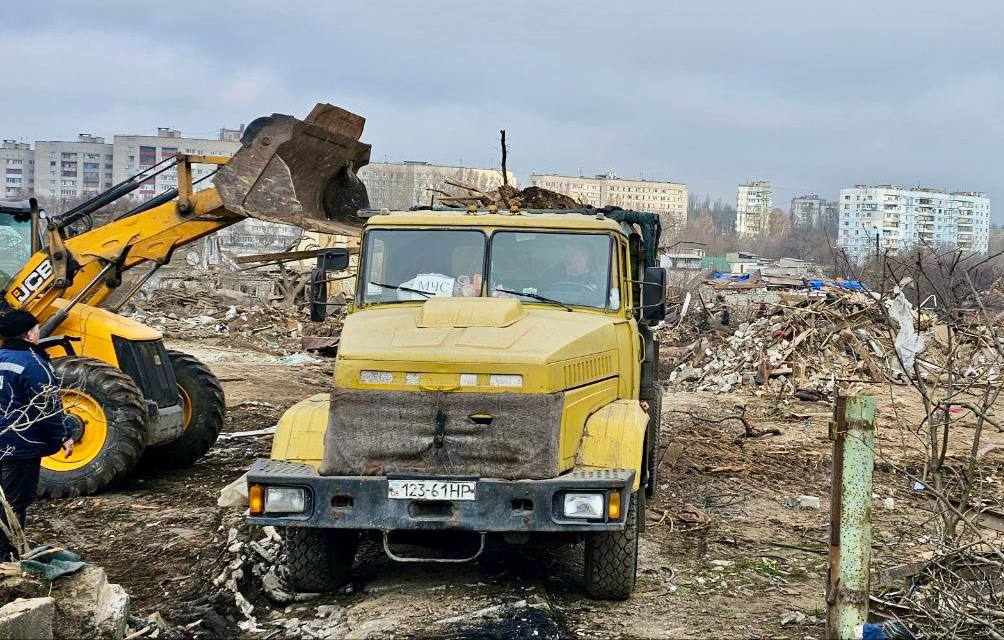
column 505, row 380
column 583, row 505
column 285, row 500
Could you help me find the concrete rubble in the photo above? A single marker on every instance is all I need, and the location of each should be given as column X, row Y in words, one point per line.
column 82, row 604
column 804, row 342
column 251, row 569
column 92, row 601
column 27, row 619
column 193, row 309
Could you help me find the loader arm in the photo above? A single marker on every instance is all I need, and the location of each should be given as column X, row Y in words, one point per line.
column 149, row 236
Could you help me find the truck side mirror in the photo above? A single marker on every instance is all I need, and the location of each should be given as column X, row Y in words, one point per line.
column 327, row 260
column 318, row 294
column 333, row 259
column 653, row 295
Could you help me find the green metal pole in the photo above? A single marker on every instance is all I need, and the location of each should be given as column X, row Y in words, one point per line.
column 853, row 435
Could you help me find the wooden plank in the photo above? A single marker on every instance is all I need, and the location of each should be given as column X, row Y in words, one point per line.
column 286, row 256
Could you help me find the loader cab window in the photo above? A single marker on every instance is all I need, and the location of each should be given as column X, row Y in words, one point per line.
column 568, row 268
column 402, row 265
column 15, row 247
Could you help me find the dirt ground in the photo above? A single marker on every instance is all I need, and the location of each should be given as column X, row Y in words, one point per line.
column 753, row 565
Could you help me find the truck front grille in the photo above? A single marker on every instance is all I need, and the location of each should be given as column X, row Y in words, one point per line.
column 488, row 435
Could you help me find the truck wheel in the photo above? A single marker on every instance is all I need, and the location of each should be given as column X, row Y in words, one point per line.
column 654, row 430
column 113, row 413
column 319, row 560
column 612, row 557
column 204, row 405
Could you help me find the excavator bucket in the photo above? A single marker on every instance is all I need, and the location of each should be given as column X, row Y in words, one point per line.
column 300, row 172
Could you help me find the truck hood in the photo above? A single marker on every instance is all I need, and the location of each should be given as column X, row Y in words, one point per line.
column 481, row 335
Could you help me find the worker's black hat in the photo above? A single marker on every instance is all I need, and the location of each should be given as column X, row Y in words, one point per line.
column 16, row 323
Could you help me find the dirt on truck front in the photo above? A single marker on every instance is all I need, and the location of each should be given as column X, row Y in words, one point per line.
column 491, row 384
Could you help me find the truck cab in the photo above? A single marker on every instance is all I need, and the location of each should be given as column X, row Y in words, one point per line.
column 496, row 378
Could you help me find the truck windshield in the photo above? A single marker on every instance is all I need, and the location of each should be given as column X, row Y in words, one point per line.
column 15, row 247
column 537, row 267
column 415, row 264
column 568, row 268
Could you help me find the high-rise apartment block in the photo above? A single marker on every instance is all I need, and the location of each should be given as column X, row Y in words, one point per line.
column 62, row 171
column 17, row 170
column 133, row 153
column 876, row 219
column 753, row 207
column 813, row 211
column 67, row 170
column 668, row 199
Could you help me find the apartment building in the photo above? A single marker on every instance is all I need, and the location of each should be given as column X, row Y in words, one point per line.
column 996, row 244
column 68, row 170
column 668, row 199
column 813, row 211
column 134, row 153
column 17, row 170
column 753, row 207
column 876, row 219
column 403, row 185
column 252, row 236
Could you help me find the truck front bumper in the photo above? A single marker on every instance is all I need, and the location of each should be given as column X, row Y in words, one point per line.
column 362, row 502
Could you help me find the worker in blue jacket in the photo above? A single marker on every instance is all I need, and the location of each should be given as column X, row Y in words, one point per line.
column 32, row 423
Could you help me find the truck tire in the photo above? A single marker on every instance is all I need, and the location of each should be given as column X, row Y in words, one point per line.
column 654, row 442
column 611, row 557
column 205, row 406
column 319, row 560
column 114, row 417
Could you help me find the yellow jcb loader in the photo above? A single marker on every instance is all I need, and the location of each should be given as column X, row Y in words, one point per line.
column 131, row 398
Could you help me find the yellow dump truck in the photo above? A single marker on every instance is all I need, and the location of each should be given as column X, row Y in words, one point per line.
column 496, row 379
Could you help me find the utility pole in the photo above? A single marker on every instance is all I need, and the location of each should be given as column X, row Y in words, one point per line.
column 505, row 173
column 853, row 434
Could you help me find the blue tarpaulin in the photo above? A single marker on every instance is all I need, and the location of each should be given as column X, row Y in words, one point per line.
column 852, row 285
column 730, row 277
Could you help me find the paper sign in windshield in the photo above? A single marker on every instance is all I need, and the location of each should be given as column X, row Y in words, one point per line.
column 435, row 284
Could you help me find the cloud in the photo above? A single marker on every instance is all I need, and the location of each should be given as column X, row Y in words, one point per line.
column 812, row 96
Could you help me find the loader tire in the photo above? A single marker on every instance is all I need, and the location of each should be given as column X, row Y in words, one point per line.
column 205, row 406
column 319, row 560
column 114, row 418
column 654, row 442
column 611, row 558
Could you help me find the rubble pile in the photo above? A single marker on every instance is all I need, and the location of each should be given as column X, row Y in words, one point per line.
column 192, row 310
column 250, row 572
column 70, row 603
column 805, row 343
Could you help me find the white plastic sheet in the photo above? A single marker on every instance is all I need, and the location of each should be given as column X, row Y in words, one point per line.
column 908, row 342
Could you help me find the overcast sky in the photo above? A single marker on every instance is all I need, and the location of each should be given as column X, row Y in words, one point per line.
column 709, row 93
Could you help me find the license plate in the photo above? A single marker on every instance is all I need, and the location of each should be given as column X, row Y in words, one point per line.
column 431, row 490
